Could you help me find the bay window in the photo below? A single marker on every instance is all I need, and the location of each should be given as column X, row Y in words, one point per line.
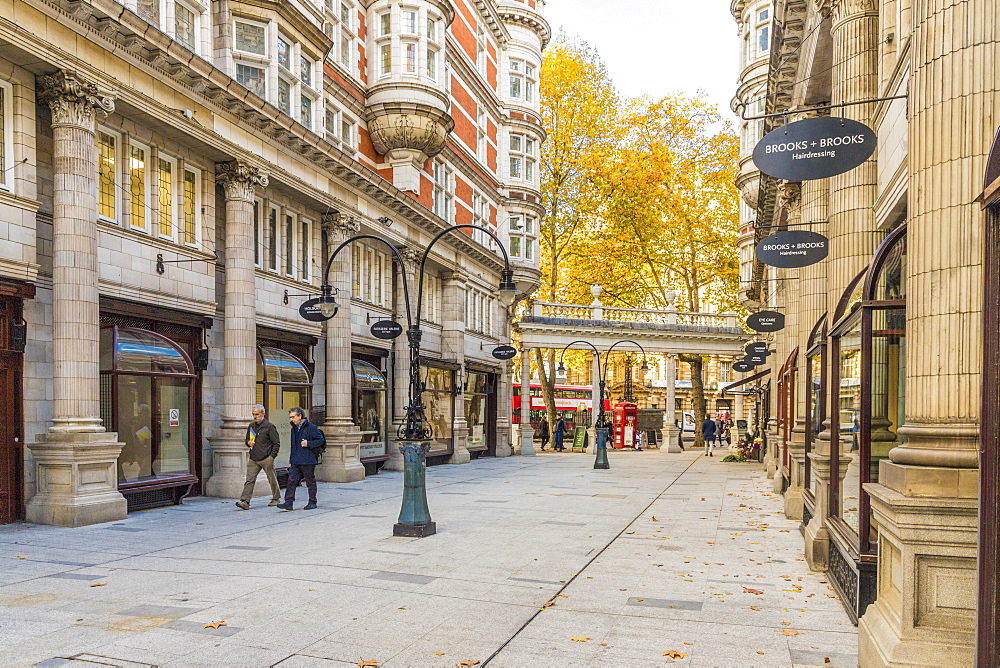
column 183, row 20
column 521, row 235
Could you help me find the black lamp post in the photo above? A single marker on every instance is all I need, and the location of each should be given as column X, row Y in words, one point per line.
column 415, row 434
column 601, row 423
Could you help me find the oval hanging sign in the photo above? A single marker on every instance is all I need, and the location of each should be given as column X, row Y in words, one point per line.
column 793, row 248
column 309, row 310
column 757, row 348
column 755, row 358
column 504, row 352
column 742, row 367
column 386, row 329
column 766, row 321
column 814, row 148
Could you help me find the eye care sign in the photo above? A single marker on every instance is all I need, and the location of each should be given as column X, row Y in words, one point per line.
column 815, row 148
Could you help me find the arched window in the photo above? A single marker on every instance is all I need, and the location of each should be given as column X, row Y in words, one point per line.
column 867, row 379
column 815, row 404
column 147, row 397
column 283, row 382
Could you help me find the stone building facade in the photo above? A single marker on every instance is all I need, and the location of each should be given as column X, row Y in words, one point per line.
column 875, row 406
column 174, row 175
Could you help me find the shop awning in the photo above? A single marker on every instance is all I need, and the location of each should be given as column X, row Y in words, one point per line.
column 746, row 380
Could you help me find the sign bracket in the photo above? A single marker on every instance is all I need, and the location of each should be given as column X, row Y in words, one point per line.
column 841, row 105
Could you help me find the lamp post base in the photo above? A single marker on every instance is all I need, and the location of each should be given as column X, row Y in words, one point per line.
column 414, row 516
column 414, row 530
column 602, row 449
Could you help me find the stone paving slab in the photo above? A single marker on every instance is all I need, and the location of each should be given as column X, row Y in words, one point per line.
column 663, row 552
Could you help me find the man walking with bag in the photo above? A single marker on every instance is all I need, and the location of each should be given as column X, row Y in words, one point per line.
column 263, row 441
column 307, row 446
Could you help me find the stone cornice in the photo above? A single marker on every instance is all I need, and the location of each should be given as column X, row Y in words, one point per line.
column 488, row 10
column 521, row 15
column 150, row 49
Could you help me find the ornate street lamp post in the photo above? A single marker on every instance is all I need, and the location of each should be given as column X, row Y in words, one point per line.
column 415, row 434
column 601, row 423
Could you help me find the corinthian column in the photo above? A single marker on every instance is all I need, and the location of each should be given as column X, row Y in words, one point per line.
column 229, row 452
column 76, row 459
column 925, row 499
column 342, row 462
column 527, row 432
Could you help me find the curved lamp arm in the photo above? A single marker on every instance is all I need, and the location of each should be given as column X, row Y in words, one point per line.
column 607, row 353
column 506, row 276
column 395, row 252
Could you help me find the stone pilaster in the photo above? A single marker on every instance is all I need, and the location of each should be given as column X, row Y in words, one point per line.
column 342, row 462
column 925, row 499
column 229, row 452
column 527, row 432
column 504, row 447
column 453, row 343
column 76, row 459
column 401, row 369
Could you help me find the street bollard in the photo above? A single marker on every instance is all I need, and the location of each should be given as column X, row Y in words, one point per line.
column 602, row 449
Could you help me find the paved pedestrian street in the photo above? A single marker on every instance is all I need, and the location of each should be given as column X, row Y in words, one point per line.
column 541, row 561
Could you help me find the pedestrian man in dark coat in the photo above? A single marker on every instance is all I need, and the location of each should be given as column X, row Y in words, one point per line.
column 560, row 433
column 263, row 442
column 306, row 439
column 708, row 431
column 543, row 432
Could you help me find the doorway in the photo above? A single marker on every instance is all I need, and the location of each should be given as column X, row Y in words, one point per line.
column 11, row 438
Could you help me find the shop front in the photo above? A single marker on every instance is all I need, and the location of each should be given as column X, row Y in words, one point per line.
column 370, row 409
column 867, row 366
column 151, row 363
column 481, row 412
column 439, row 408
column 815, row 414
column 283, row 382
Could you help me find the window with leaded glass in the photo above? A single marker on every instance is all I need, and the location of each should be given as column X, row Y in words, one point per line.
column 285, row 96
column 165, row 197
column 191, row 206
column 251, row 37
column 253, row 78
column 185, row 25
column 138, row 186
column 107, row 171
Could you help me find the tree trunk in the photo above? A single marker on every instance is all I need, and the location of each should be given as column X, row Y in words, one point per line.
column 548, row 382
column 697, row 364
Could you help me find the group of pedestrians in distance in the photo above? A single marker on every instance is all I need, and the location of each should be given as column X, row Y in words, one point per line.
column 263, row 442
column 560, row 434
column 714, row 430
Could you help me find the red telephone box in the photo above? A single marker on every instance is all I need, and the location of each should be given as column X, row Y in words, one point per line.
column 624, row 425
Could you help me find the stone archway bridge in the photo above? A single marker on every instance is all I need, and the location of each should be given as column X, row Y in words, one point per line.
column 668, row 331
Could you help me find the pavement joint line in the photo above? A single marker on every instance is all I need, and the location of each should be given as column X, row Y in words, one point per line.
column 573, row 578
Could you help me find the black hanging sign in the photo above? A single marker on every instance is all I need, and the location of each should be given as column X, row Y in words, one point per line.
column 766, row 321
column 310, row 311
column 755, row 358
column 757, row 348
column 793, row 248
column 742, row 367
column 814, row 148
column 386, row 329
column 504, row 352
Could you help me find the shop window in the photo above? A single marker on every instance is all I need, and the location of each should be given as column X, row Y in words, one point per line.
column 370, row 399
column 477, row 398
column 283, row 383
column 816, row 391
column 438, row 397
column 147, row 385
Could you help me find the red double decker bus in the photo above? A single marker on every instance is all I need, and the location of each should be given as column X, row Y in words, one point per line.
column 570, row 400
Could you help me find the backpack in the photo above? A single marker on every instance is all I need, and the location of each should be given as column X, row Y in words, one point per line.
column 319, row 449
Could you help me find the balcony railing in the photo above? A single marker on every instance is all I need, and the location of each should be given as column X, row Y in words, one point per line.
column 614, row 314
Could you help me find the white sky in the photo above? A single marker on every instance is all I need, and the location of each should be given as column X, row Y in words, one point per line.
column 658, row 47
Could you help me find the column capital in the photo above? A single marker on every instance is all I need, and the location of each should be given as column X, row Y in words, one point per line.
column 411, row 256
column 239, row 179
column 847, row 9
column 340, row 226
column 74, row 102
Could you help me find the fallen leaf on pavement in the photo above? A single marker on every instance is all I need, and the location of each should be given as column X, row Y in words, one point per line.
column 562, row 595
column 549, row 604
column 79, row 620
column 747, row 590
column 689, row 643
column 370, row 662
column 469, row 662
column 655, row 520
column 759, row 652
column 99, row 584
column 214, row 625
column 439, row 653
column 674, row 655
column 22, row 557
column 786, row 623
column 826, row 659
column 755, row 607
column 789, row 632
column 580, row 639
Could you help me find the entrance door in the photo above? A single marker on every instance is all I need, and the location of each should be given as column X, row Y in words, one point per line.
column 11, row 448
